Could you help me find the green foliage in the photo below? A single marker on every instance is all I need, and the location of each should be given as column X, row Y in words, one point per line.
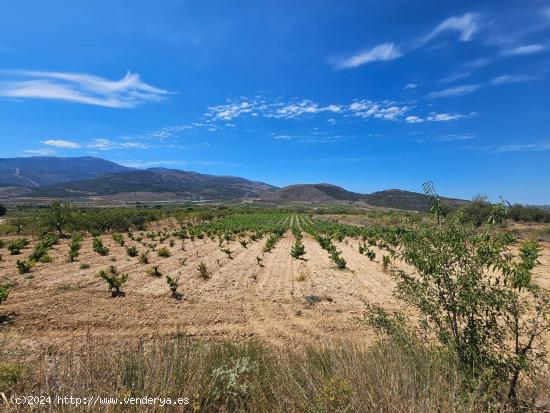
column 24, row 266
column 297, row 249
column 98, row 246
column 4, row 292
column 41, row 249
column 338, row 260
column 84, row 266
column 58, row 217
column 153, row 271
column 17, row 245
column 10, row 374
column 163, row 252
column 115, row 280
column 271, row 242
column 118, row 238
column 132, row 251
column 74, row 247
column 487, row 310
column 385, row 262
column 173, row 284
column 243, row 242
column 228, row 252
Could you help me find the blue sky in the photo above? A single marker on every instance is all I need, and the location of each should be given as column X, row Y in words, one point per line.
column 369, row 95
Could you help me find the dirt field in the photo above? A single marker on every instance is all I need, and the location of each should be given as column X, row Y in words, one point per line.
column 58, row 301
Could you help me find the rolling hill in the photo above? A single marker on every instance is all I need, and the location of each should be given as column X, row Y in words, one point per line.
column 82, row 177
column 190, row 185
column 38, row 171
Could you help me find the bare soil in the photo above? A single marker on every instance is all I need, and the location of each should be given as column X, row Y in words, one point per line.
column 283, row 302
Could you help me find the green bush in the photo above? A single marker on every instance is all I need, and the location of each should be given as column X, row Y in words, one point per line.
column 17, row 245
column 98, row 246
column 4, row 292
column 132, row 251
column 163, row 252
column 114, row 280
column 74, row 247
column 118, row 238
column 173, row 284
column 24, row 266
column 297, row 250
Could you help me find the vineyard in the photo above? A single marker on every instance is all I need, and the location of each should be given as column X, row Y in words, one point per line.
column 282, row 278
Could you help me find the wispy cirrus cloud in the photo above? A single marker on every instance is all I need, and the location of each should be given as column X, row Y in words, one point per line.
column 107, row 145
column 505, row 79
column 61, row 143
column 380, row 53
column 524, row 50
column 455, row 91
column 465, row 25
column 524, row 147
column 128, row 92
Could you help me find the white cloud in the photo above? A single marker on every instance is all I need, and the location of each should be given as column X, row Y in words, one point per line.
column 467, row 25
column 40, row 151
column 127, row 92
column 410, row 86
column 60, row 143
column 504, row 79
column 414, row 119
column 524, row 50
column 438, row 117
column 107, row 145
column 455, row 91
column 528, row 147
column 386, row 110
column 545, row 13
column 382, row 52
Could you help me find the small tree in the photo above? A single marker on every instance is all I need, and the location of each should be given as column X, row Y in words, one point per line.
column 58, row 217
column 132, row 251
column 114, row 280
column 153, row 271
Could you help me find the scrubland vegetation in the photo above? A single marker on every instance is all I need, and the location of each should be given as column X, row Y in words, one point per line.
column 473, row 337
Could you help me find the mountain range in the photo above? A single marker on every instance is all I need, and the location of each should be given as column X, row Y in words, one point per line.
column 82, row 177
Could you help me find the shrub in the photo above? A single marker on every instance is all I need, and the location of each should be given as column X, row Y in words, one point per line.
column 132, row 251
column 118, row 238
column 173, row 284
column 114, row 280
column 3, row 210
column 297, row 250
column 4, row 292
column 271, row 242
column 74, row 247
column 203, row 271
column 153, row 271
column 24, row 267
column 371, row 255
column 84, row 266
column 163, row 252
column 243, row 242
column 17, row 245
column 98, row 246
column 338, row 260
column 144, row 257
column 228, row 252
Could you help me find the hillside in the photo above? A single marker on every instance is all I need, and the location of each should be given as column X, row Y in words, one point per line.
column 34, row 172
column 313, row 193
column 159, row 180
column 396, row 198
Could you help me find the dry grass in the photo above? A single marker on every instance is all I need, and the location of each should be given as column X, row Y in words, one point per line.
column 222, row 377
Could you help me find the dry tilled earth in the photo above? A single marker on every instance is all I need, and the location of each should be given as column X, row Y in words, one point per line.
column 270, row 296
